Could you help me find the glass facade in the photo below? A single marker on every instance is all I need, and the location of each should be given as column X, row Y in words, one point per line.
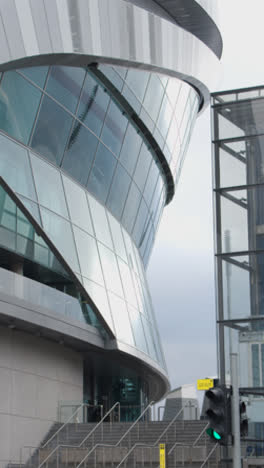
column 92, row 182
column 239, row 242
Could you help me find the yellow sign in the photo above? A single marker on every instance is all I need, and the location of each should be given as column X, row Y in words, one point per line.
column 162, row 449
column 205, row 384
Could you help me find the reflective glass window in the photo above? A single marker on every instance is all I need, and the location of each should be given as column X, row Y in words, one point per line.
column 172, row 90
column 100, row 222
column 255, row 365
column 117, row 237
column 149, row 337
column 131, row 99
column 118, row 191
column 51, row 131
column 32, row 208
column 130, row 293
column 99, row 297
column 79, row 153
column 114, row 128
column 142, row 167
column 60, row 233
column 137, row 80
column 141, row 222
column 121, row 319
column 138, row 329
column 15, row 168
column 36, row 74
column 130, row 251
column 49, row 186
column 78, row 206
column 102, row 173
column 147, row 119
column 19, row 102
column 151, row 182
column 110, row 269
column 165, row 116
column 64, row 84
column 8, row 211
column 93, row 104
column 112, row 75
column 153, row 97
column 130, row 149
column 131, row 207
column 88, row 255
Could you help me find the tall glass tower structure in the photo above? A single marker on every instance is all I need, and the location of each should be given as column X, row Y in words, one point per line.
column 98, row 99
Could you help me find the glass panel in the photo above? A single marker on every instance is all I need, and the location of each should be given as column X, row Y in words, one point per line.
column 60, row 233
column 64, row 84
column 111, row 74
column 130, row 149
column 172, row 90
column 262, row 363
column 151, row 182
column 142, row 167
column 99, row 297
column 114, row 128
column 150, row 341
column 138, row 232
column 118, row 191
column 19, row 102
column 153, row 97
column 51, row 131
column 15, row 168
column 241, row 118
column 234, row 217
column 131, row 99
column 110, row 269
column 130, row 292
column 233, row 170
column 77, row 203
column 79, row 153
column 131, row 207
column 102, row 173
column 255, row 365
column 100, row 222
column 117, row 237
column 138, row 329
column 88, row 256
column 137, row 80
column 93, row 105
column 32, row 208
column 36, row 74
column 49, row 186
column 121, row 319
column 130, row 252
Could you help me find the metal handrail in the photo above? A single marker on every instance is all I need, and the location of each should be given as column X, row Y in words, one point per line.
column 62, row 427
column 120, row 440
column 209, row 455
column 200, row 435
column 86, row 437
column 158, row 439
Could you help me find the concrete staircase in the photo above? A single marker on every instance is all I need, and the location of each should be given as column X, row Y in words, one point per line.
column 144, row 434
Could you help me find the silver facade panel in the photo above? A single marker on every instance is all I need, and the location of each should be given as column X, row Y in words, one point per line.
column 12, row 23
column 192, row 66
column 39, row 19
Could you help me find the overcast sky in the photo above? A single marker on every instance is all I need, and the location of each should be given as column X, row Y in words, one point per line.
column 181, row 269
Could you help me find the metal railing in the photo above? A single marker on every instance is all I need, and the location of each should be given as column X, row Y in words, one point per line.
column 158, row 439
column 120, row 440
column 66, row 446
column 209, row 455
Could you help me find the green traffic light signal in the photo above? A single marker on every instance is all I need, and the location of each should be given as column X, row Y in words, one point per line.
column 214, row 434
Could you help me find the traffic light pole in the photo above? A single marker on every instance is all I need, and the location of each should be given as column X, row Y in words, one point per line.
column 235, row 411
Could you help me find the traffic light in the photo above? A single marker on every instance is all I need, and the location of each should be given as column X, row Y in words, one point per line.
column 219, row 413
column 243, row 419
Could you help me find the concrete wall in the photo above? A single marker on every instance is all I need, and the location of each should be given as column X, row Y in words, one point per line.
column 34, row 375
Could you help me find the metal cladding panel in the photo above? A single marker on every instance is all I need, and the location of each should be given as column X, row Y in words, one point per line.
column 89, row 30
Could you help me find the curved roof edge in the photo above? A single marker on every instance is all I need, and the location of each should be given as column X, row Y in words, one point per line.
column 112, row 31
column 191, row 15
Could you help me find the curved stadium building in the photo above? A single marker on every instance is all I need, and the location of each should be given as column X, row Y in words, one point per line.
column 97, row 103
